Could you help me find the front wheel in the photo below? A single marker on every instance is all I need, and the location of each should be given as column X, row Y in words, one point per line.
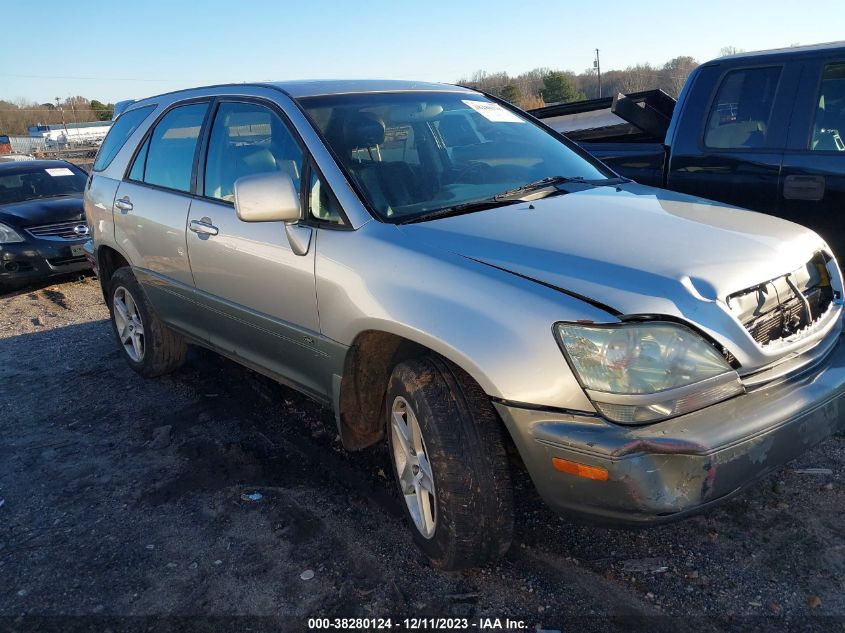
column 148, row 345
column 450, row 462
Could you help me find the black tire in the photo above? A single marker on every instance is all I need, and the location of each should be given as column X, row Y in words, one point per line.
column 462, row 436
column 163, row 349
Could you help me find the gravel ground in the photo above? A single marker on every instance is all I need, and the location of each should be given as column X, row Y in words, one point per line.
column 121, row 496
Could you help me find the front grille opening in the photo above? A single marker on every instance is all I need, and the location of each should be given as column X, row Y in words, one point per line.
column 781, row 308
column 66, row 261
column 72, row 230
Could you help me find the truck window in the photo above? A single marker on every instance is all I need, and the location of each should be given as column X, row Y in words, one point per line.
column 829, row 124
column 739, row 116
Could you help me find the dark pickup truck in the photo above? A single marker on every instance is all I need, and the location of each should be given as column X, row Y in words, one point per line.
column 764, row 131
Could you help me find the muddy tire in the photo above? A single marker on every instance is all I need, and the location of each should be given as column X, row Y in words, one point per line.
column 450, row 462
column 147, row 344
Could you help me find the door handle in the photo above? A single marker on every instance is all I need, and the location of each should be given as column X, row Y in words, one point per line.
column 123, row 204
column 203, row 227
column 803, row 187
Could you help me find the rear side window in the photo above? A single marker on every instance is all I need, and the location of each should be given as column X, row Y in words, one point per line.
column 739, row 117
column 167, row 157
column 120, row 131
column 829, row 125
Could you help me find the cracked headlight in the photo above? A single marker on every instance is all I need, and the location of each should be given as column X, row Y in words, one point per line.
column 8, row 235
column 636, row 373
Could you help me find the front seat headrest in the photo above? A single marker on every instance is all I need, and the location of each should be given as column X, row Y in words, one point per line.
column 363, row 129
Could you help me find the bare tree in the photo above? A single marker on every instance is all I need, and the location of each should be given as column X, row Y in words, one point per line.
column 675, row 72
column 638, row 78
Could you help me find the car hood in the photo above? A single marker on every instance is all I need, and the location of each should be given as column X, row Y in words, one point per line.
column 43, row 211
column 633, row 249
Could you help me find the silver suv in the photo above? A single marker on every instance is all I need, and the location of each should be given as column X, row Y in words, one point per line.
column 443, row 270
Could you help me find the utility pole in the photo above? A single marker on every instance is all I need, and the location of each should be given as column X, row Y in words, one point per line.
column 597, row 66
column 62, row 110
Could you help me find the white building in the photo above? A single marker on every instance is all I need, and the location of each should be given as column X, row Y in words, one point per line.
column 64, row 134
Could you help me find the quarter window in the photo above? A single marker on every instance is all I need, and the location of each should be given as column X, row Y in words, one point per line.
column 167, row 158
column 739, row 118
column 137, row 171
column 119, row 133
column 829, row 124
column 247, row 139
column 321, row 203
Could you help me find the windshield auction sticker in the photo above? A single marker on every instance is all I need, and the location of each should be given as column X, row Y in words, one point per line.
column 59, row 171
column 493, row 111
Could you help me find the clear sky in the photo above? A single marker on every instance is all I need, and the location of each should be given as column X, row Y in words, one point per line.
column 120, row 49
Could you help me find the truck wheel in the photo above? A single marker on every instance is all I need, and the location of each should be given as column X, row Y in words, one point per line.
column 148, row 345
column 450, row 462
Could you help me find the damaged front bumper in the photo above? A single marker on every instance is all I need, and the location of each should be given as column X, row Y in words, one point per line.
column 670, row 469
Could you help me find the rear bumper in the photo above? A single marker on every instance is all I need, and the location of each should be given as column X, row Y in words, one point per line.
column 671, row 469
column 29, row 261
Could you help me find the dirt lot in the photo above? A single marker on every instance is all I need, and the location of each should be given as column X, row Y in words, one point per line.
column 127, row 497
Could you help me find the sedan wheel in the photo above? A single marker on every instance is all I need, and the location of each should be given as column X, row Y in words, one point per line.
column 128, row 323
column 413, row 466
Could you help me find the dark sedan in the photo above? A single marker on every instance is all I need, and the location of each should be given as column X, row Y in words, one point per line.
column 42, row 223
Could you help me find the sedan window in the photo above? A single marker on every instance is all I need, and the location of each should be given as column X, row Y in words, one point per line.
column 29, row 184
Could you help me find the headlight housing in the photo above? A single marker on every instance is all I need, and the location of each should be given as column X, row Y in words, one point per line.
column 8, row 235
column 636, row 373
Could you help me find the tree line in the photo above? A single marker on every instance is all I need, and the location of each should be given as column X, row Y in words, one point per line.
column 17, row 116
column 543, row 86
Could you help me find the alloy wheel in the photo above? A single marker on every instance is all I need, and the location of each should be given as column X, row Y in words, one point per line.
column 413, row 467
column 130, row 327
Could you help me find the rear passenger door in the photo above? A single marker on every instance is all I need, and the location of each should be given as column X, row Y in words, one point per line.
column 259, row 296
column 151, row 210
column 736, row 158
column 813, row 175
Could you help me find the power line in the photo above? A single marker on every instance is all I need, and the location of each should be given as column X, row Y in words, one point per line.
column 79, row 78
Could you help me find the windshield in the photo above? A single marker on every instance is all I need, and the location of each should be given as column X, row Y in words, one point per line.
column 416, row 152
column 25, row 184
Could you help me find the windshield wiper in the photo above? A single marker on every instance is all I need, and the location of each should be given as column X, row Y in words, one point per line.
column 504, row 198
column 549, row 181
column 458, row 209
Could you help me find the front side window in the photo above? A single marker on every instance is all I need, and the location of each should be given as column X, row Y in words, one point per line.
column 417, row 152
column 119, row 133
column 247, row 139
column 740, row 114
column 829, row 124
column 167, row 158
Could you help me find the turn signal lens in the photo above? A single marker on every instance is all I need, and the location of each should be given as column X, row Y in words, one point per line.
column 580, row 470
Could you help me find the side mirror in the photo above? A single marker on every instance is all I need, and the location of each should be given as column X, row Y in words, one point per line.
column 267, row 197
column 272, row 197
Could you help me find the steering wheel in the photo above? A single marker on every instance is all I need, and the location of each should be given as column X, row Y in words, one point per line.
column 475, row 172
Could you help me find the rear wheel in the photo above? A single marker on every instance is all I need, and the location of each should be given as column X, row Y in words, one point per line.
column 450, row 463
column 148, row 345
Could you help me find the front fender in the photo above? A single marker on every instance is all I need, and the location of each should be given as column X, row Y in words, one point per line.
column 495, row 326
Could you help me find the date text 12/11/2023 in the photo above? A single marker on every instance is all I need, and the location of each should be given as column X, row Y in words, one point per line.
column 416, row 624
